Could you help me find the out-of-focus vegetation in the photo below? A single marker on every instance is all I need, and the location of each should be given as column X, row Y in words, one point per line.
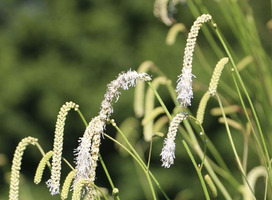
column 56, row 51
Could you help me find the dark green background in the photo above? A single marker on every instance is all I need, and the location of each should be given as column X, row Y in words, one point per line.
column 56, row 51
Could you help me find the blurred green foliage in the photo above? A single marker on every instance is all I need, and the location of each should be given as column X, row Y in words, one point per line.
column 56, row 51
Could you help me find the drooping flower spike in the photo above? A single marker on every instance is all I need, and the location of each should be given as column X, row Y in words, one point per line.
column 88, row 149
column 184, row 84
column 169, row 146
column 212, row 89
column 16, row 166
column 216, row 75
column 54, row 182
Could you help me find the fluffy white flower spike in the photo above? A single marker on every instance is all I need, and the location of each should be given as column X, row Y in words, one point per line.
column 184, row 84
column 88, row 149
column 184, row 87
column 169, row 146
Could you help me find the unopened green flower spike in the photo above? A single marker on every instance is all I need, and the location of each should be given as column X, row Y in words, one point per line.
column 140, row 88
column 212, row 89
column 202, row 107
column 41, row 167
column 211, row 185
column 161, row 11
column 173, row 32
column 216, row 75
column 67, row 184
column 16, row 166
column 79, row 187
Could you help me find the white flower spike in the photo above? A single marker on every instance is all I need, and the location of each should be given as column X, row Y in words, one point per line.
column 184, row 84
column 169, row 146
column 88, row 150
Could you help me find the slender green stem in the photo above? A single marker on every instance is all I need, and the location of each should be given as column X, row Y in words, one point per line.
column 107, row 174
column 233, row 146
column 207, row 165
column 265, row 153
column 82, row 117
column 203, row 139
column 149, row 154
column 245, row 154
column 139, row 161
column 106, row 171
column 265, row 188
column 42, row 152
column 214, row 152
column 126, row 149
column 197, row 170
column 150, row 184
column 138, row 158
column 172, row 93
column 66, row 161
column 161, row 101
column 143, row 182
column 40, row 148
column 224, row 173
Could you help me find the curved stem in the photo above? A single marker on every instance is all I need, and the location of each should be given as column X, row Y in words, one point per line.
column 100, row 191
column 233, row 146
column 107, row 174
column 204, row 140
column 138, row 157
column 207, row 165
column 43, row 154
column 160, row 100
column 149, row 154
column 198, row 170
column 264, row 150
column 140, row 162
column 66, row 161
column 82, row 117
